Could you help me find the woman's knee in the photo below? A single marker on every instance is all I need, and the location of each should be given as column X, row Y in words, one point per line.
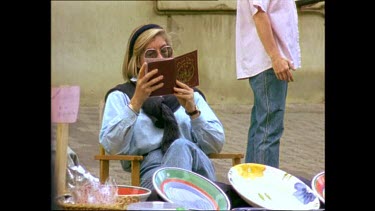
column 182, row 143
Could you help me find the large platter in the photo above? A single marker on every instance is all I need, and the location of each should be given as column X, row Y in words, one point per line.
column 271, row 188
column 189, row 189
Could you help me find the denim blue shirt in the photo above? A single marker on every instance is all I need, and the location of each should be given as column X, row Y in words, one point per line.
column 125, row 132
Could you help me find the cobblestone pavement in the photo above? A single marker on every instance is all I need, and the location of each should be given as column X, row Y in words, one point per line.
column 302, row 145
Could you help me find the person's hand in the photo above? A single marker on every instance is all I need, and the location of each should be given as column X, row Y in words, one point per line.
column 282, row 68
column 144, row 87
column 185, row 96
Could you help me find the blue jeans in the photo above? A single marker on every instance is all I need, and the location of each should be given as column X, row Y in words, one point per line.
column 183, row 154
column 267, row 119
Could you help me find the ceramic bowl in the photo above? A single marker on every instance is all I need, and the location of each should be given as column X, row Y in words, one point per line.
column 134, row 192
column 318, row 185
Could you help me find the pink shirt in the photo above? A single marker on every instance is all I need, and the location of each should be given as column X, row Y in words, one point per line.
column 251, row 56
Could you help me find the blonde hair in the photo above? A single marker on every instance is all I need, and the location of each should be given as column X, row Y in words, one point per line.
column 132, row 64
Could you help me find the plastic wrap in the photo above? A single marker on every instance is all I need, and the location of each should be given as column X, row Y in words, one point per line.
column 84, row 188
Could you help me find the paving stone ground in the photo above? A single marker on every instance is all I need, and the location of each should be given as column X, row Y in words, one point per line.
column 302, row 145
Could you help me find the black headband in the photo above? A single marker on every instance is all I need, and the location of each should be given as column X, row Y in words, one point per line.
column 136, row 35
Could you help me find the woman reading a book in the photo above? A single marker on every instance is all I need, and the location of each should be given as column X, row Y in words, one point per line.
column 175, row 130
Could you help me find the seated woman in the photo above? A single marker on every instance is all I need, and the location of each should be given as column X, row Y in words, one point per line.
column 176, row 130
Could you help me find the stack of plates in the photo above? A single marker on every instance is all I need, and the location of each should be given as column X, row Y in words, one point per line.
column 261, row 186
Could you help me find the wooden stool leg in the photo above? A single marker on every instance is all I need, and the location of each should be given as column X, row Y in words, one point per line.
column 135, row 174
column 103, row 170
column 236, row 161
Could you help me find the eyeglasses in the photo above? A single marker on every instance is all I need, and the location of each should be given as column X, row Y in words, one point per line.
column 165, row 52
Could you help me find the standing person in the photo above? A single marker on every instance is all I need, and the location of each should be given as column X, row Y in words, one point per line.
column 176, row 130
column 267, row 49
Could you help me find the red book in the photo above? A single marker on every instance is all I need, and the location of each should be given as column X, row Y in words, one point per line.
column 183, row 68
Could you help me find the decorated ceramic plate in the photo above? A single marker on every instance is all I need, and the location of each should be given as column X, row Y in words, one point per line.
column 318, row 185
column 189, row 189
column 271, row 188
